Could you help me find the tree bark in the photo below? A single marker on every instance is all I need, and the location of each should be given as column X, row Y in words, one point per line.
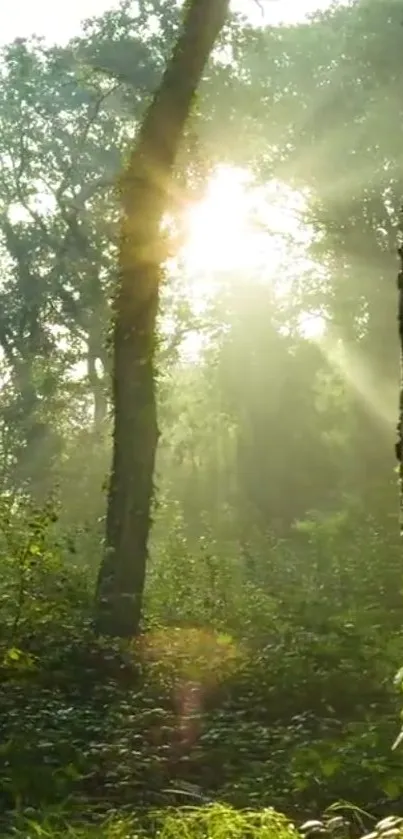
column 146, row 186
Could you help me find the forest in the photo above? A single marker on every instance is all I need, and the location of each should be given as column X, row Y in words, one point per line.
column 201, row 565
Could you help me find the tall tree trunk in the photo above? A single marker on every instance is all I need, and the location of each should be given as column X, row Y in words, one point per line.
column 145, row 191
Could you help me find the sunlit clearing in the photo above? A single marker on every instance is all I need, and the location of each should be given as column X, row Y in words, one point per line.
column 193, row 654
column 197, row 660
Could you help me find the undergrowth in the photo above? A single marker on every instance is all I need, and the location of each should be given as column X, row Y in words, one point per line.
column 215, row 822
column 292, row 709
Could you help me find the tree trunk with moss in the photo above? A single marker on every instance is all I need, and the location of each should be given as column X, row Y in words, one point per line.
column 145, row 194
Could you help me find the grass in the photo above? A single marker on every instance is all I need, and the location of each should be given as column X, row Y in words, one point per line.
column 211, row 822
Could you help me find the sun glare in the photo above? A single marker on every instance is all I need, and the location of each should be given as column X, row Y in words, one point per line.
column 241, row 228
column 219, row 233
column 249, row 233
